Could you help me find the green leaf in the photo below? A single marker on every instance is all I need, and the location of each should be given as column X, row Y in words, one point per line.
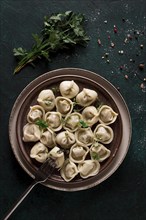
column 37, row 39
column 69, row 41
column 56, row 17
column 19, row 51
column 48, row 102
column 41, row 123
column 68, row 13
column 95, row 156
column 60, row 31
column 83, row 124
column 45, row 55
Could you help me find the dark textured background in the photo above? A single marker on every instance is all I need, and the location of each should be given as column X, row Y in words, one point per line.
column 123, row 195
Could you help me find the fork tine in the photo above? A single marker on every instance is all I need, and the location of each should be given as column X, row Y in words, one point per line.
column 49, row 161
column 45, row 170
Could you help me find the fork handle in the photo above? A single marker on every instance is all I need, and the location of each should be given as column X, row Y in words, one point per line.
column 21, row 198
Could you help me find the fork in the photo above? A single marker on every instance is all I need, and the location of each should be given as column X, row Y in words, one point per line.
column 42, row 174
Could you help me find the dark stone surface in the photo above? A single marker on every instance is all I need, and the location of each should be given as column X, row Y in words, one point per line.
column 123, row 195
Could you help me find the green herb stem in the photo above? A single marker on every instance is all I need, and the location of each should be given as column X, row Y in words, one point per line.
column 60, row 31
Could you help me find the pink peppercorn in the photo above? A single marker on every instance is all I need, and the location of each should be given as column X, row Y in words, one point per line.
column 112, row 45
column 115, row 29
column 99, row 42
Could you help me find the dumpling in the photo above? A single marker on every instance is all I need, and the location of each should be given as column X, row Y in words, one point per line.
column 46, row 99
column 69, row 170
column 86, row 97
column 64, row 105
column 65, row 139
column 39, row 152
column 54, row 120
column 99, row 152
column 31, row 133
column 84, row 136
column 107, row 115
column 72, row 121
column 88, row 168
column 48, row 138
column 78, row 153
column 104, row 134
column 58, row 155
column 69, row 89
column 36, row 113
column 90, row 115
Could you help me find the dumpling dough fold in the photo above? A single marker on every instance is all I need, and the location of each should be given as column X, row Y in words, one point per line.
column 88, row 168
column 46, row 99
column 65, row 139
column 31, row 133
column 99, row 152
column 104, row 134
column 86, row 97
column 39, row 152
column 69, row 89
column 107, row 115
column 69, row 170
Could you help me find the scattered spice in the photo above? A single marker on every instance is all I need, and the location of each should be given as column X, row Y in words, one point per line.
column 142, row 86
column 123, row 19
column 129, row 36
column 126, row 40
column 141, row 66
column 121, row 52
column 112, row 45
column 137, row 33
column 99, row 42
column 115, row 29
column 105, row 21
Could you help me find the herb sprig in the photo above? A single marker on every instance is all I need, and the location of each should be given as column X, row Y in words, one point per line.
column 41, row 123
column 83, row 124
column 95, row 156
column 60, row 31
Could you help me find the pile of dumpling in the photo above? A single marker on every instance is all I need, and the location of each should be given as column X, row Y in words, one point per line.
column 75, row 139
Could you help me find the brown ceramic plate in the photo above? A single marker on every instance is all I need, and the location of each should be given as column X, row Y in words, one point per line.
column 107, row 94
